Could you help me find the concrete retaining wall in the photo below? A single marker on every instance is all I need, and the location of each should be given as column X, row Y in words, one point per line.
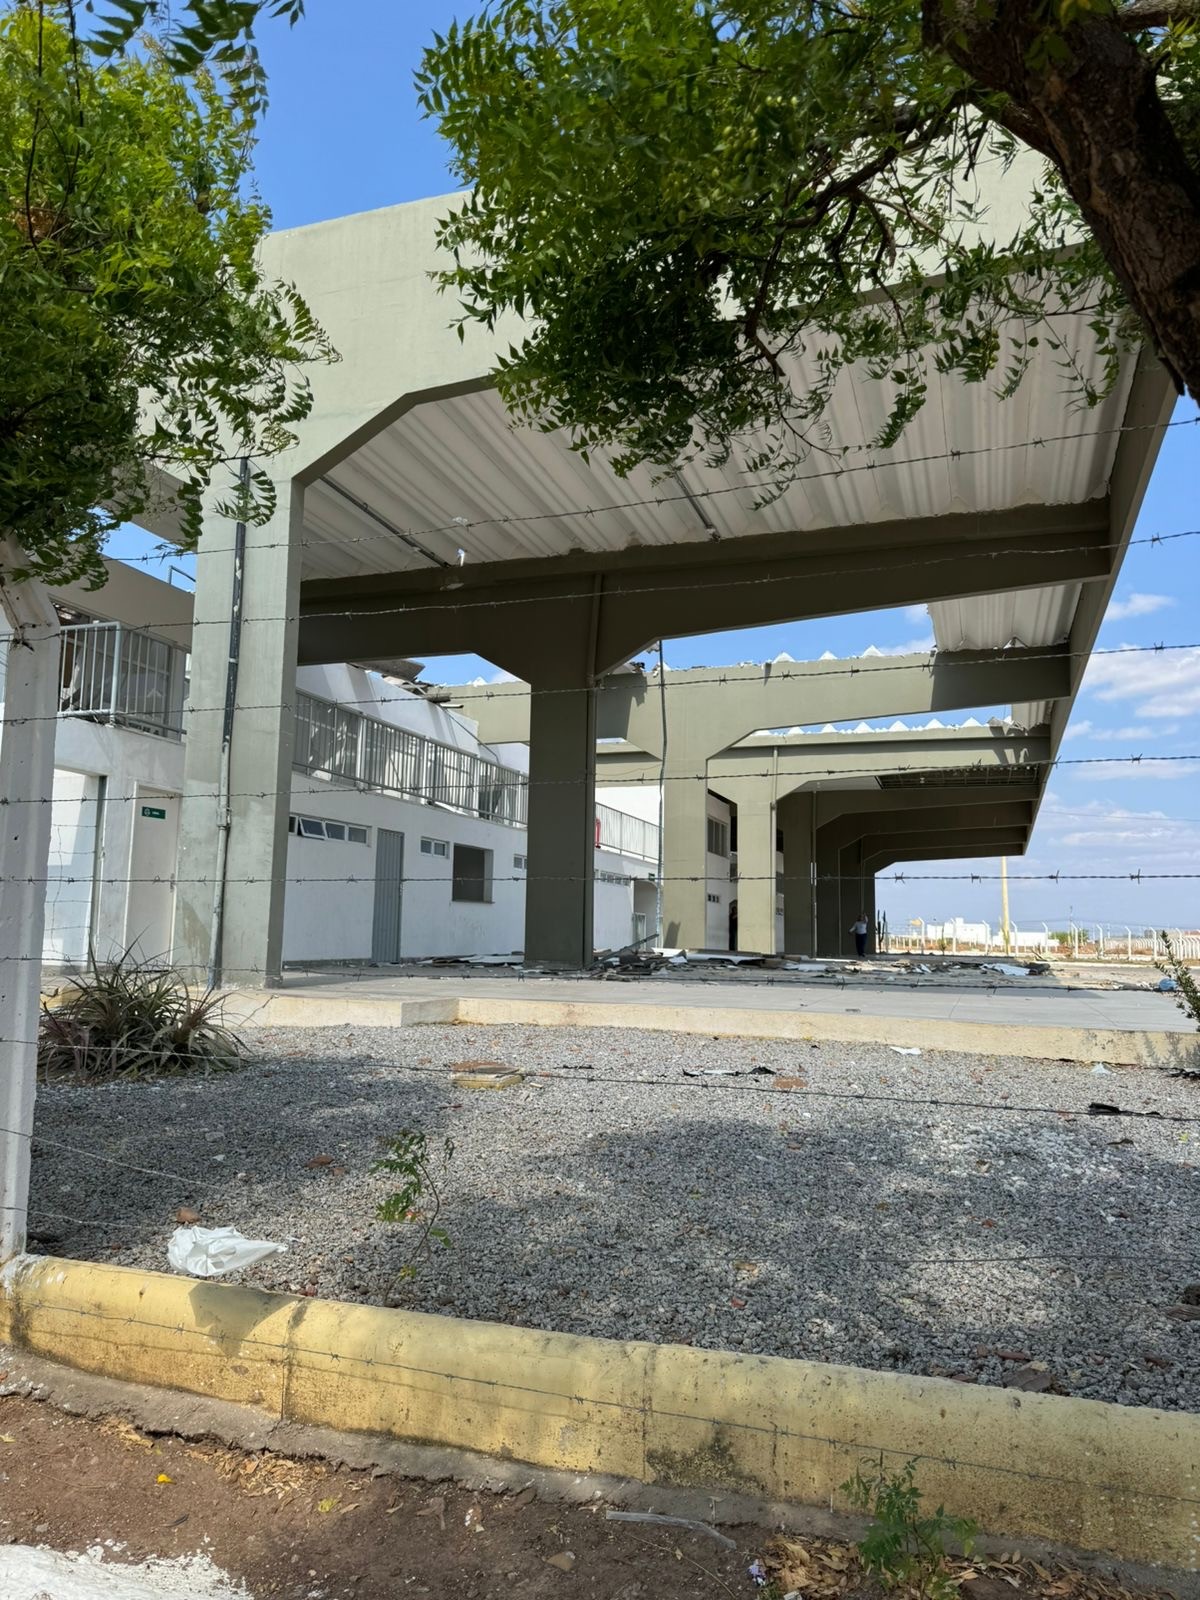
column 1099, row 1477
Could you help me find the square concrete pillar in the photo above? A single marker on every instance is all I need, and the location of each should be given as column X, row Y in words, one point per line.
column 685, row 860
column 230, row 922
column 853, row 895
column 560, row 876
column 795, row 814
column 756, row 887
column 829, row 899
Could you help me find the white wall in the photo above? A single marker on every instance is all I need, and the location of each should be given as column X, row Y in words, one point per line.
column 129, row 761
column 73, row 841
column 85, row 752
column 331, row 921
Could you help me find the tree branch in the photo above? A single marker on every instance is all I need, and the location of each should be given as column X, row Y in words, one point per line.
column 1139, row 14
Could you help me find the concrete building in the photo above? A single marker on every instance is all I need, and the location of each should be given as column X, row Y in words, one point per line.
column 414, row 519
column 406, row 834
column 692, row 736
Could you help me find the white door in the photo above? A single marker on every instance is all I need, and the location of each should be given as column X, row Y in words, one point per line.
column 150, row 908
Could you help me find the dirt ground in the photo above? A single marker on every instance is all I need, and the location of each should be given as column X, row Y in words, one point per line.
column 308, row 1529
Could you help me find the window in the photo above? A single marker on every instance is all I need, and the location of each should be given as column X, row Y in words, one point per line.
column 718, row 837
column 520, row 863
column 435, row 847
column 321, row 828
column 472, row 874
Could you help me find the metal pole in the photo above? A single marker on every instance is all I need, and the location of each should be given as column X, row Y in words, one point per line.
column 662, row 784
column 224, row 815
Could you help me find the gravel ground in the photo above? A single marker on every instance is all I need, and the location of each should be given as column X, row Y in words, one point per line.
column 817, row 1204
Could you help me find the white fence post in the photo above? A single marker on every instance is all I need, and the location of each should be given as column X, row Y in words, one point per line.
column 26, row 785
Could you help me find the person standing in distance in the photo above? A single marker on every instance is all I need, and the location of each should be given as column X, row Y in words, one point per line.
column 859, row 929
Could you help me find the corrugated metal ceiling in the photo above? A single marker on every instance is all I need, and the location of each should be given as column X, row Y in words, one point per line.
column 451, row 472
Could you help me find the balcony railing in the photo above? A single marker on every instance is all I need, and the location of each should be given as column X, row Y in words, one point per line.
column 111, row 673
column 336, row 743
column 629, row 836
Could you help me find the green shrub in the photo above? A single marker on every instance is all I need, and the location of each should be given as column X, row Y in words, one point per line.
column 408, row 1157
column 904, row 1548
column 1187, row 991
column 134, row 1020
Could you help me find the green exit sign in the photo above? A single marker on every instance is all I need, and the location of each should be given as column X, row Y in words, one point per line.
column 158, row 812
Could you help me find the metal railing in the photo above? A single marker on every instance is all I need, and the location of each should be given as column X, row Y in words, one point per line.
column 111, row 673
column 1076, row 941
column 336, row 743
column 628, row 836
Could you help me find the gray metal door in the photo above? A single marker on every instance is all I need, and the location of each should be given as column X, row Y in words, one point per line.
column 389, row 889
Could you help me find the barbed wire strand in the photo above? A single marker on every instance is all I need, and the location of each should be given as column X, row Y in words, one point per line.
column 771, row 673
column 432, row 795
column 584, row 1076
column 720, row 581
column 458, row 525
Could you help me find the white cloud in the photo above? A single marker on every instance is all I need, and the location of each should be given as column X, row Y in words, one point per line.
column 1147, row 770
column 1137, row 605
column 1135, row 733
column 913, row 647
column 504, row 677
column 916, row 615
column 1162, row 683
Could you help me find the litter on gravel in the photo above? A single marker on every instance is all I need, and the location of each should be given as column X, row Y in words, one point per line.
column 903, row 1213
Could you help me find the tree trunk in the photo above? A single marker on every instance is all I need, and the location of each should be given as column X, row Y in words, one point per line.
column 1098, row 117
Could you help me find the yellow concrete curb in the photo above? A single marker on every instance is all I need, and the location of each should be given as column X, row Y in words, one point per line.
column 1117, row 1479
column 282, row 1009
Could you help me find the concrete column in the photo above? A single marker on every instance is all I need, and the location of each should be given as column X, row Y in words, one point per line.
column 829, row 898
column 685, row 859
column 853, row 894
column 869, row 908
column 250, row 944
column 795, row 817
column 26, row 775
column 755, row 867
column 562, row 826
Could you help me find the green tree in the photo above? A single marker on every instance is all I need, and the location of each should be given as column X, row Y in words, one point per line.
column 195, row 33
column 681, row 198
column 142, row 345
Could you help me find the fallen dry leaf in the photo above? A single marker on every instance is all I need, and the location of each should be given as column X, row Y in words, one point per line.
column 187, row 1217
column 320, row 1161
column 129, row 1436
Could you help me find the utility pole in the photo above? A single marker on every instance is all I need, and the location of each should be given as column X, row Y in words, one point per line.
column 1004, row 929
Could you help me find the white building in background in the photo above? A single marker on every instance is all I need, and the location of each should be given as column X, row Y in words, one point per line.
column 407, row 836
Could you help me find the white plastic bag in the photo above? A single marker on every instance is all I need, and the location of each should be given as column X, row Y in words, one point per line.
column 210, row 1252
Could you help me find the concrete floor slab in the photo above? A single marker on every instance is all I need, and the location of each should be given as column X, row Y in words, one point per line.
column 1033, row 1019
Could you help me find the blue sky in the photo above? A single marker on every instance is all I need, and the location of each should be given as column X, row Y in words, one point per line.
column 343, row 134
